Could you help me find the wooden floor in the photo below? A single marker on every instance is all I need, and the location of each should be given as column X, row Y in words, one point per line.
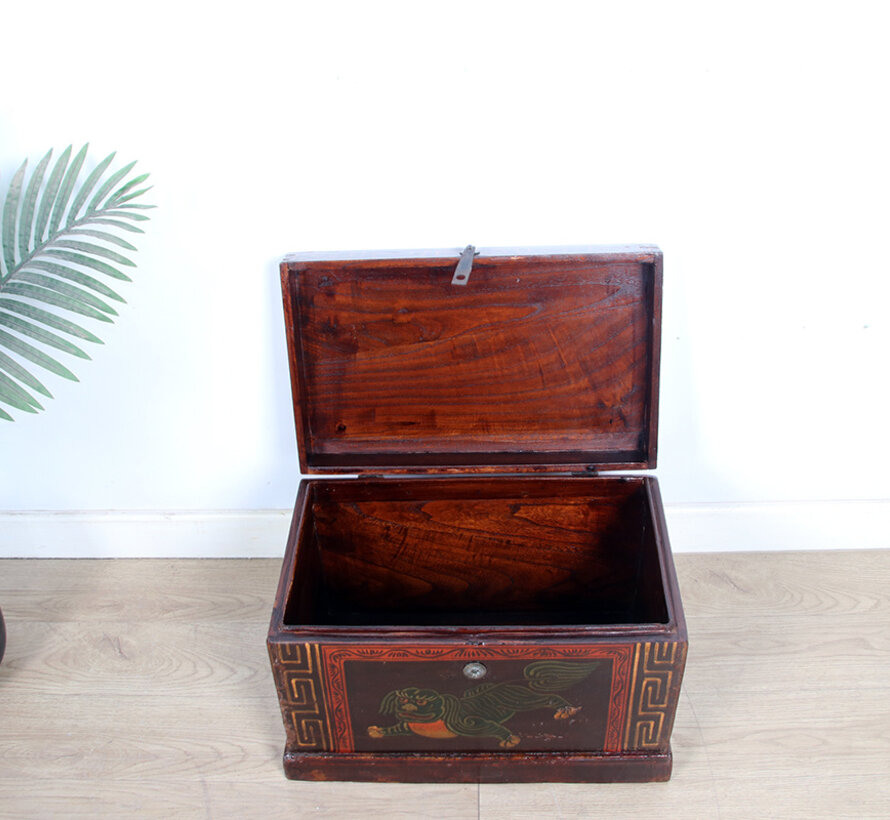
column 142, row 688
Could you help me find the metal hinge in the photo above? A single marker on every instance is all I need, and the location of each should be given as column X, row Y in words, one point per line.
column 464, row 266
column 589, row 470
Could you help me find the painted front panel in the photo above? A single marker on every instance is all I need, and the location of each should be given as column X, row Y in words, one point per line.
column 417, row 699
column 386, row 698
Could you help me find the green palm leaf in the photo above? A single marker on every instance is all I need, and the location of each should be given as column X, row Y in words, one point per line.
column 95, row 250
column 13, row 395
column 65, row 190
column 127, row 215
column 48, row 319
column 107, row 237
column 49, row 193
column 118, row 224
column 10, row 207
column 76, row 276
column 26, row 223
column 65, row 289
column 15, row 369
column 60, row 237
column 87, row 188
column 37, row 332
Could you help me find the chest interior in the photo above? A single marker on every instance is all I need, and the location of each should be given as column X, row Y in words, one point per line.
column 469, row 551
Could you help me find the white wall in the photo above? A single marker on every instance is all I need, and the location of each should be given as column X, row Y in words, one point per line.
column 749, row 140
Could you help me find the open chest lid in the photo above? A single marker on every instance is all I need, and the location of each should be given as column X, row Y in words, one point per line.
column 539, row 361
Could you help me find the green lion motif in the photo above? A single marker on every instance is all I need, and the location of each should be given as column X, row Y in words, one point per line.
column 483, row 710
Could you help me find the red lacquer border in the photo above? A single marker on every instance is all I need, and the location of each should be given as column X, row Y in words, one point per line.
column 334, row 657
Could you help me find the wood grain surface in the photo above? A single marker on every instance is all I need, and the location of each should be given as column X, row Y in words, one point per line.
column 486, row 550
column 136, row 688
column 537, row 360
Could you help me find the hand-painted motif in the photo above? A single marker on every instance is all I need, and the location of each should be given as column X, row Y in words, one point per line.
column 483, row 710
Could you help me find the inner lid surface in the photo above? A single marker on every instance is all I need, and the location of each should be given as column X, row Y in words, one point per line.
column 539, row 362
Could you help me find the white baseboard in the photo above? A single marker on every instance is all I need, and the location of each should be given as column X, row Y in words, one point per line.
column 193, row 534
column 262, row 533
column 779, row 525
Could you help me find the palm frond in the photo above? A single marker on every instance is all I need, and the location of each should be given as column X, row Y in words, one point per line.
column 59, row 236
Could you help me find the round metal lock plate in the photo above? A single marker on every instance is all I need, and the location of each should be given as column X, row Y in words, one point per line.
column 475, row 670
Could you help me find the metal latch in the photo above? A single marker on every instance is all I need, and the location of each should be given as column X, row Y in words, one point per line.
column 464, row 266
column 475, row 670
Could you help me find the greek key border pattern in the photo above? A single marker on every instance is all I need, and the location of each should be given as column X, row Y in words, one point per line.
column 298, row 675
column 657, row 668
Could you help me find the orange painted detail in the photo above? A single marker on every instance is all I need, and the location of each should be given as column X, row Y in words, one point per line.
column 436, row 728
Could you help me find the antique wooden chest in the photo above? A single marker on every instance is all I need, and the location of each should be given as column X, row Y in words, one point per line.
column 480, row 603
